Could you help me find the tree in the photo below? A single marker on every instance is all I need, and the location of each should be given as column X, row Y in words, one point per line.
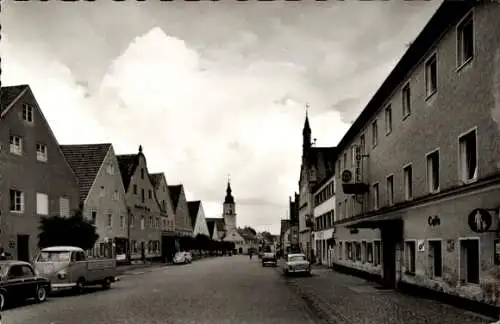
column 202, row 242
column 186, row 243
column 250, row 229
column 71, row 231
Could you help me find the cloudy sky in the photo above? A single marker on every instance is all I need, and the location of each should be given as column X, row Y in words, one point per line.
column 210, row 88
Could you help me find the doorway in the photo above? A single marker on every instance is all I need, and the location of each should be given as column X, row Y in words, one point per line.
column 391, row 235
column 23, row 247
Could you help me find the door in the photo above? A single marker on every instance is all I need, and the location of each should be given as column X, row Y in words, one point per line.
column 23, row 247
column 389, row 263
column 29, row 281
column 15, row 282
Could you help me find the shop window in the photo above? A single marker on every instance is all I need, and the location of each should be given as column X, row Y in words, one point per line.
column 376, row 259
column 369, row 252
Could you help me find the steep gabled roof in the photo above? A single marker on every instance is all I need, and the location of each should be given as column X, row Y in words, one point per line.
column 127, row 163
column 175, row 194
column 86, row 161
column 156, row 179
column 8, row 95
column 211, row 226
column 219, row 223
column 193, row 207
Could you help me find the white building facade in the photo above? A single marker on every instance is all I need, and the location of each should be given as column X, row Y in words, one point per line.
column 324, row 218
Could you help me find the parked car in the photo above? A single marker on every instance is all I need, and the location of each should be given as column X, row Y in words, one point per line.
column 296, row 263
column 269, row 258
column 183, row 258
column 67, row 267
column 19, row 281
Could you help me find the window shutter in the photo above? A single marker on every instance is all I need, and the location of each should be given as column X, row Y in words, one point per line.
column 64, row 207
column 42, row 204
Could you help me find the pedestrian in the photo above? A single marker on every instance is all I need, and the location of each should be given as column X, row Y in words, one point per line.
column 3, row 254
column 251, row 254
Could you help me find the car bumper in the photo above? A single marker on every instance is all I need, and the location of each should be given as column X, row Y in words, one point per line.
column 62, row 286
column 301, row 270
column 269, row 262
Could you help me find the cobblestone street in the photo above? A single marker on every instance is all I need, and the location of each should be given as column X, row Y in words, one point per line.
column 340, row 298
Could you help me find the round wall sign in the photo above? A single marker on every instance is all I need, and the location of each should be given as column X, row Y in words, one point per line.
column 346, row 176
column 479, row 220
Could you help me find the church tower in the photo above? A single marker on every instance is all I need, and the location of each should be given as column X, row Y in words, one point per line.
column 229, row 210
column 306, row 138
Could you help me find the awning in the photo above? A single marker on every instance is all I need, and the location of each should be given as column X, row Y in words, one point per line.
column 375, row 221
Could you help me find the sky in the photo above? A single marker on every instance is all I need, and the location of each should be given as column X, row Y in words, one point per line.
column 209, row 89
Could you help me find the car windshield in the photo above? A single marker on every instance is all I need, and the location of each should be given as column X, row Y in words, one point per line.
column 54, row 256
column 294, row 258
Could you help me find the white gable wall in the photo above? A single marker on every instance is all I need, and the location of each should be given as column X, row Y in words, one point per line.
column 200, row 226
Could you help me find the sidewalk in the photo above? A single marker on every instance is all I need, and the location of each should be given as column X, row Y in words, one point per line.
column 346, row 299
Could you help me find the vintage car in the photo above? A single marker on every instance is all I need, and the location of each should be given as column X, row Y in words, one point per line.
column 19, row 281
column 67, row 267
column 269, row 258
column 296, row 263
column 183, row 258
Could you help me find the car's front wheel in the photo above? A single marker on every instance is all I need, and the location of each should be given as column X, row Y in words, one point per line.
column 41, row 294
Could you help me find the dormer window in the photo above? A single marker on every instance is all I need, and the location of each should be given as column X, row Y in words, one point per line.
column 28, row 113
column 142, row 173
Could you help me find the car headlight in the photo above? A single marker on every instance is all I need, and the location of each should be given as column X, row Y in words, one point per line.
column 62, row 274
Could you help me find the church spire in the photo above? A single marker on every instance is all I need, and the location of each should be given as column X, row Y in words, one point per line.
column 306, row 134
column 229, row 197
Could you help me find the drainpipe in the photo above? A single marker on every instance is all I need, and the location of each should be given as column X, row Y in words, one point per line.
column 129, row 249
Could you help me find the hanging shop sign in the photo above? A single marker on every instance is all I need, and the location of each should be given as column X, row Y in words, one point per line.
column 358, row 165
column 480, row 220
column 346, row 176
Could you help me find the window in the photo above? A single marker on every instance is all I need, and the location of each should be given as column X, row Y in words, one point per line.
column 142, row 173
column 110, row 169
column 346, row 207
column 110, row 220
column 374, row 134
column 64, row 208
column 365, row 251
column 94, row 217
column 410, row 251
column 341, row 211
column 406, row 100
column 469, row 261
column 142, row 223
column 340, row 251
column 345, row 161
column 435, row 258
column 408, row 182
column 390, row 190
column 102, row 192
column 135, row 189
column 388, row 120
column 16, row 201
column 116, row 195
column 150, row 221
column 465, row 41
column 338, row 168
column 362, row 144
column 41, row 152
column 157, row 222
column 369, row 252
column 16, row 145
column 431, row 75
column 375, row 196
column 353, row 155
column 122, row 221
column 433, row 171
column 28, row 113
column 132, row 220
column 468, row 156
column 358, row 251
column 142, row 195
column 376, row 259
column 42, row 204
column 150, row 194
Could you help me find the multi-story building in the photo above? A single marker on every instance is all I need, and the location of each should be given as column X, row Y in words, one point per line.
column 183, row 223
column 418, row 187
column 293, row 209
column 102, row 196
column 160, row 184
column 324, row 217
column 316, row 163
column 35, row 178
column 146, row 219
